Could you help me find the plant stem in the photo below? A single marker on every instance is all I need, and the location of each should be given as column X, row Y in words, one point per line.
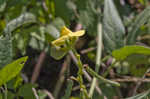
column 61, row 76
column 83, row 93
column 37, row 67
column 5, row 91
column 98, row 58
column 109, row 68
column 93, row 73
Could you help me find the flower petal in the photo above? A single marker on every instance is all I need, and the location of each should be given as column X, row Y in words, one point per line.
column 65, row 31
column 60, row 41
column 77, row 34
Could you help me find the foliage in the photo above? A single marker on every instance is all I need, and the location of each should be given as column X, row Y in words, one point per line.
column 37, row 25
column 11, row 70
column 113, row 28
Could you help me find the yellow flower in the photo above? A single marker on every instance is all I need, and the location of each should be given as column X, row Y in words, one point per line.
column 65, row 35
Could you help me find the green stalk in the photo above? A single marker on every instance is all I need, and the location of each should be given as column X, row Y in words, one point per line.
column 102, row 79
column 6, row 91
column 98, row 58
column 83, row 94
column 109, row 68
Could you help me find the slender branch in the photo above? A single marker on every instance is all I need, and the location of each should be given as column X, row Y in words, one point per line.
column 87, row 50
column 35, row 93
column 38, row 66
column 49, row 94
column 98, row 58
column 131, row 79
column 139, row 82
column 61, row 76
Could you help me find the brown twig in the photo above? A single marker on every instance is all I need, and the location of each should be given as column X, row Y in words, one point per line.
column 132, row 79
column 78, row 87
column 35, row 93
column 37, row 67
column 49, row 94
column 61, row 76
column 87, row 50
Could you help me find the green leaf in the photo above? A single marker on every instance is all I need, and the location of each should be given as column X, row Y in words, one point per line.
column 58, row 23
column 68, row 90
column 2, row 1
column 10, row 95
column 52, row 31
column 88, row 15
column 136, row 56
column 26, row 91
column 5, row 51
column 41, row 94
column 138, row 64
column 11, row 70
column 62, row 10
column 1, row 96
column 143, row 95
column 57, row 53
column 124, row 52
column 22, row 19
column 113, row 27
column 109, row 94
column 2, row 5
column 139, row 21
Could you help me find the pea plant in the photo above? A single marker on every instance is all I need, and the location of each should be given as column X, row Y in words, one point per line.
column 81, row 49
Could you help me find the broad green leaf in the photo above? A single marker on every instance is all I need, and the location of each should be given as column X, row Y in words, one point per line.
column 136, row 56
column 26, row 91
column 144, row 95
column 141, row 19
column 138, row 64
column 37, row 41
column 6, row 42
column 22, row 19
column 113, row 27
column 57, row 53
column 11, row 70
column 22, row 37
column 5, row 51
column 52, row 31
column 124, row 52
